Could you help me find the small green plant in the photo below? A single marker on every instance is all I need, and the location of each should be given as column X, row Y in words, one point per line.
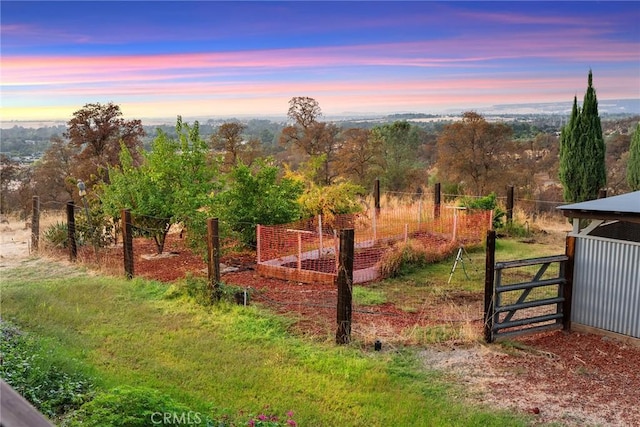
column 514, row 229
column 198, row 289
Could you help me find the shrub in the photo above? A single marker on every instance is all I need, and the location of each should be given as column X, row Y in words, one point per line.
column 39, row 375
column 57, row 235
column 197, row 289
column 331, row 200
column 256, row 195
column 487, row 203
column 514, row 229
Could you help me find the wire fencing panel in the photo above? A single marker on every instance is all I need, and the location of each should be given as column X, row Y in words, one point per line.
column 306, row 250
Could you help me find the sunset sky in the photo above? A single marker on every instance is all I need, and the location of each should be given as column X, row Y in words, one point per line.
column 209, row 58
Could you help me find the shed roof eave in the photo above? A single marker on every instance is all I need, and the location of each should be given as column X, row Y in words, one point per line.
column 628, row 203
column 607, row 216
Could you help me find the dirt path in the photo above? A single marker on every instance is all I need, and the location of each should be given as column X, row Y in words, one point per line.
column 15, row 243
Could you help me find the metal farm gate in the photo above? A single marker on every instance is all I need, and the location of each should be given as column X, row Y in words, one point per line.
column 525, row 296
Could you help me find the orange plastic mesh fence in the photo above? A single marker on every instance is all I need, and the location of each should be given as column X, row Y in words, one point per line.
column 306, row 250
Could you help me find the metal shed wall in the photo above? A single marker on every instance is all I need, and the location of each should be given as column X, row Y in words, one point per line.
column 606, row 285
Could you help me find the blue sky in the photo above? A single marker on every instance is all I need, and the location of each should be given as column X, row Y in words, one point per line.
column 208, row 58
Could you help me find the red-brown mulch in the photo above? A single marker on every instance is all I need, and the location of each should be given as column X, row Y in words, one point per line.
column 589, row 378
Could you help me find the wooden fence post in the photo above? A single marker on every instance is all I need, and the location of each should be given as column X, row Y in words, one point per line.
column 376, row 195
column 510, row 204
column 71, row 231
column 436, row 201
column 570, row 252
column 213, row 258
column 258, row 243
column 345, row 286
column 35, row 223
column 489, row 277
column 127, row 243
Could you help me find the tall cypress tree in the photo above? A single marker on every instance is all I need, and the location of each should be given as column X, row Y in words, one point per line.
column 582, row 150
column 633, row 167
column 571, row 169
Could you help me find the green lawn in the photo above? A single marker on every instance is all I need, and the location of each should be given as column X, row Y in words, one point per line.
column 224, row 359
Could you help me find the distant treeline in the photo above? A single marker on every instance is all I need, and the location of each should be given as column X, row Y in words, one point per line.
column 19, row 141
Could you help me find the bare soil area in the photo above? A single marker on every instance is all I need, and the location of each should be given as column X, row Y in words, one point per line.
column 15, row 242
column 572, row 379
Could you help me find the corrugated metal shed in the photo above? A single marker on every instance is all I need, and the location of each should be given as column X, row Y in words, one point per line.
column 606, row 281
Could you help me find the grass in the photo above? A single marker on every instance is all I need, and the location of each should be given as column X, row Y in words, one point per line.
column 437, row 284
column 224, row 359
column 368, row 296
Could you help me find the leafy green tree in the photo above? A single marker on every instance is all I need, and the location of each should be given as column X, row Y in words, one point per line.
column 256, row 195
column 400, row 144
column 341, row 197
column 633, row 167
column 170, row 186
column 570, row 168
column 582, row 150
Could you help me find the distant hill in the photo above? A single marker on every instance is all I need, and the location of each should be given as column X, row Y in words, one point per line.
column 605, row 106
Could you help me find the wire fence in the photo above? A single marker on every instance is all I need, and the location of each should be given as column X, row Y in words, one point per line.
column 307, row 251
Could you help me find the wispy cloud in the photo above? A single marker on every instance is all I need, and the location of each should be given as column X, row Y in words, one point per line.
column 414, row 55
column 44, row 70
